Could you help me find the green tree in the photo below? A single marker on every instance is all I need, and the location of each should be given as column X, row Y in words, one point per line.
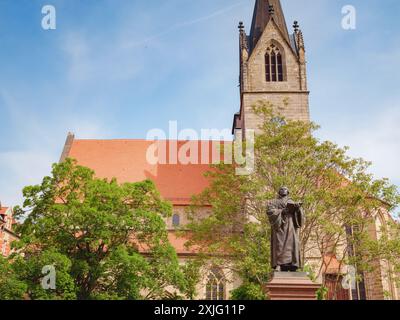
column 11, row 288
column 336, row 190
column 105, row 240
column 192, row 271
column 248, row 291
column 31, row 272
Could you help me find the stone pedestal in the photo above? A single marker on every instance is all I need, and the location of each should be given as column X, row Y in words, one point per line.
column 292, row 286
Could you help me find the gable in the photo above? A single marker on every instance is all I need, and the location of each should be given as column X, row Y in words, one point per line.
column 256, row 63
column 273, row 32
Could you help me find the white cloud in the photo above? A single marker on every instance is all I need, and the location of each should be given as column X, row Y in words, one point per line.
column 22, row 168
column 376, row 139
column 89, row 128
column 29, row 164
column 37, row 143
column 92, row 59
column 76, row 48
column 129, row 43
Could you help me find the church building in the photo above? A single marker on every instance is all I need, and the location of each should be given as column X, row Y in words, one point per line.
column 272, row 68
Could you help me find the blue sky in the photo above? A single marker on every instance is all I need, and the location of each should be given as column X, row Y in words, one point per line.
column 118, row 68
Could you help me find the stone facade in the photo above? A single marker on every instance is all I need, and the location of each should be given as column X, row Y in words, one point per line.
column 383, row 282
column 290, row 97
column 228, row 281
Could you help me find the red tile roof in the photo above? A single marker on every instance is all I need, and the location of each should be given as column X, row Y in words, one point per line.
column 3, row 210
column 126, row 161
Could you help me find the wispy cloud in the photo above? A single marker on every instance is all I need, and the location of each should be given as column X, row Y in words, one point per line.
column 376, row 139
column 37, row 144
column 212, row 15
column 21, row 168
column 91, row 59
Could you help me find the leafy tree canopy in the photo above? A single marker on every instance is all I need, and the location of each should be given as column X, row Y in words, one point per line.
column 105, row 240
column 337, row 191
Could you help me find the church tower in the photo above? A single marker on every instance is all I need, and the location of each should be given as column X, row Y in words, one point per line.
column 272, row 68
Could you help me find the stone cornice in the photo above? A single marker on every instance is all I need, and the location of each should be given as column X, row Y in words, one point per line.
column 275, row 92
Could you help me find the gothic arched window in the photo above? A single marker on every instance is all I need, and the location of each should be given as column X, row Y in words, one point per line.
column 176, row 220
column 215, row 289
column 274, row 64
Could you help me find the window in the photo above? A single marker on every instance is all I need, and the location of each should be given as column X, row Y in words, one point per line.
column 176, row 220
column 215, row 289
column 274, row 64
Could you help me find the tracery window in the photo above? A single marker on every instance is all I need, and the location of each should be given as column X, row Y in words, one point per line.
column 216, row 285
column 274, row 64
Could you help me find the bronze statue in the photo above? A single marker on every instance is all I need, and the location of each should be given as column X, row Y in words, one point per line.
column 286, row 218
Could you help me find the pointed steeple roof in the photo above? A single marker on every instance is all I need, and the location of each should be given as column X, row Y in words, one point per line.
column 261, row 18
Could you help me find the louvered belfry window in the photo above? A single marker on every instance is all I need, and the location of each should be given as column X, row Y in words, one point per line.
column 273, row 64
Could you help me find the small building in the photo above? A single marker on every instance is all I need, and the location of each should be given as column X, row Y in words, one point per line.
column 7, row 236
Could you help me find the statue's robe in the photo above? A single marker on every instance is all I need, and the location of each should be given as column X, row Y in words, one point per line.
column 285, row 232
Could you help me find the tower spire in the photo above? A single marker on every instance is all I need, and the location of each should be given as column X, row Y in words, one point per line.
column 264, row 10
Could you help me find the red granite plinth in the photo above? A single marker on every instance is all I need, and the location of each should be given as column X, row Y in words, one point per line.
column 292, row 286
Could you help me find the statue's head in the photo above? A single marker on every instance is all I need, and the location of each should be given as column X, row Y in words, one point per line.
column 283, row 192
